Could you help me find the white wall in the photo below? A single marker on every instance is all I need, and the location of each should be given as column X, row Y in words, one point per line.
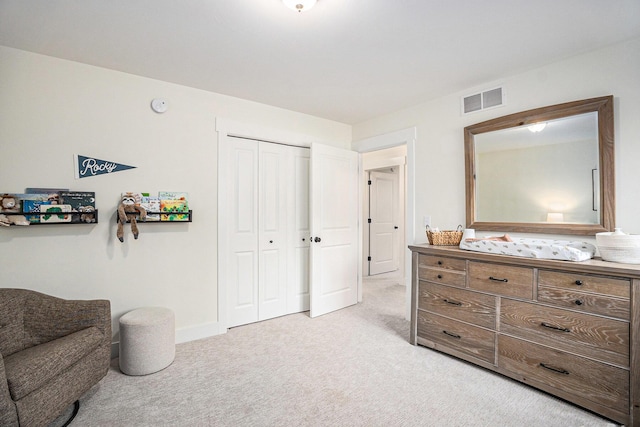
column 51, row 109
column 439, row 151
column 557, row 178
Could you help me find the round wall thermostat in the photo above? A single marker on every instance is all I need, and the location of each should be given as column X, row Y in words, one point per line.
column 159, row 105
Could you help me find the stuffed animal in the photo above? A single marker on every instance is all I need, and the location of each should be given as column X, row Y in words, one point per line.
column 7, row 220
column 8, row 203
column 87, row 214
column 127, row 210
column 18, row 219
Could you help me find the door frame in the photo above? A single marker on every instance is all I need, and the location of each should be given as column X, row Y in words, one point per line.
column 406, row 136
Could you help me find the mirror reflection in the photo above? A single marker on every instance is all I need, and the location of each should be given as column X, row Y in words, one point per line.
column 546, row 172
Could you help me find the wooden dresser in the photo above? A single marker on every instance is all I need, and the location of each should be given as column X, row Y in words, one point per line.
column 568, row 328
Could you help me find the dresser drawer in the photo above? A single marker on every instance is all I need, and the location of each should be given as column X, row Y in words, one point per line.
column 453, row 278
column 592, row 294
column 583, row 301
column 467, row 339
column 582, row 283
column 460, row 304
column 442, row 262
column 586, row 379
column 501, row 279
column 591, row 336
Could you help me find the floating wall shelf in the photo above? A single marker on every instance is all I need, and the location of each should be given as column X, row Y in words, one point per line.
column 175, row 221
column 75, row 218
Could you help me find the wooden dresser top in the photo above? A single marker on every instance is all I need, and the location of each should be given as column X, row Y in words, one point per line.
column 595, row 265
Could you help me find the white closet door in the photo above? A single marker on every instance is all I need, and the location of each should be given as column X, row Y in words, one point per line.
column 273, row 221
column 298, row 286
column 334, row 226
column 240, row 259
column 268, row 265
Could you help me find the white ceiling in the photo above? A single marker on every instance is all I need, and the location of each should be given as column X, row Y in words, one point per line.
column 344, row 60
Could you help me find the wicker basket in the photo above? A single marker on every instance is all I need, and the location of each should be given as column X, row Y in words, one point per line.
column 619, row 247
column 445, row 238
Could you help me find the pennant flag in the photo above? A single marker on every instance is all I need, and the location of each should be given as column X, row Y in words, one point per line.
column 90, row 166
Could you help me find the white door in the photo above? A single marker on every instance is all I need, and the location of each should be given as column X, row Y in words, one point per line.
column 254, row 263
column 299, row 243
column 334, row 229
column 273, row 221
column 383, row 227
column 239, row 256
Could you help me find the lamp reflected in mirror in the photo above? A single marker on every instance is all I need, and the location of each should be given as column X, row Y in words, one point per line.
column 555, row 217
column 538, row 127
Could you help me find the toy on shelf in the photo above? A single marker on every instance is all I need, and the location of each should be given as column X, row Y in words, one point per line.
column 8, row 203
column 127, row 210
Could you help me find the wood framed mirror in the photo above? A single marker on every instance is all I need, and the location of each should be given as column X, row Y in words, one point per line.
column 546, row 170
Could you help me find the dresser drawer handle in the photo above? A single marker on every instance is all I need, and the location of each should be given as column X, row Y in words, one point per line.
column 555, row 328
column 439, row 276
column 451, row 335
column 579, row 282
column 579, row 302
column 439, row 262
column 498, row 280
column 452, row 302
column 551, row 368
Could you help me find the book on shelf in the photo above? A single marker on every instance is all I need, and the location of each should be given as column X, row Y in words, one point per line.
column 31, row 202
column 173, row 195
column 53, row 194
column 55, row 213
column 172, row 203
column 80, row 201
column 151, row 204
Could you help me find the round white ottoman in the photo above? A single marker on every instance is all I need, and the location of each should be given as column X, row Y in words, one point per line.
column 147, row 340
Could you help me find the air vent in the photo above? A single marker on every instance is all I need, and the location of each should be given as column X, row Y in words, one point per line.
column 484, row 100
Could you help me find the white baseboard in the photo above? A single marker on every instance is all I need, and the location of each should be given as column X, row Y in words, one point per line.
column 197, row 332
column 190, row 333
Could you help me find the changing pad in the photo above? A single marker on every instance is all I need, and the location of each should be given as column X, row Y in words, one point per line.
column 566, row 250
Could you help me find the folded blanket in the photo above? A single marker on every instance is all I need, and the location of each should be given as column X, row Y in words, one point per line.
column 504, row 238
column 566, row 250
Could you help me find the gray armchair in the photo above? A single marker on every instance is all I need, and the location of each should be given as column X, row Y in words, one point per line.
column 52, row 351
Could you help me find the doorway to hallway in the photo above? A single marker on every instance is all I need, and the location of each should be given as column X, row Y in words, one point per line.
column 384, row 211
column 405, row 138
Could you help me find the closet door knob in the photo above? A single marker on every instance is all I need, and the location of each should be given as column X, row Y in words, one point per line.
column 317, row 240
column 270, row 241
column 303, row 239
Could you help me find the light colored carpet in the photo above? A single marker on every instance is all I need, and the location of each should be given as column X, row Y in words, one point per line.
column 353, row 367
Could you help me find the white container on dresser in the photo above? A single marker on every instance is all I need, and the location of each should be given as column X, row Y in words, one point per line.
column 568, row 328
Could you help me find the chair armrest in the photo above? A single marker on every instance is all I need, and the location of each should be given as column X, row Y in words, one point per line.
column 8, row 413
column 51, row 318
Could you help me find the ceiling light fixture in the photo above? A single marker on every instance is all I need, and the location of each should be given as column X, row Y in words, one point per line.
column 299, row 5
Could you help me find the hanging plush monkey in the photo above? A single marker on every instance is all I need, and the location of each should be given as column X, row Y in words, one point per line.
column 126, row 211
